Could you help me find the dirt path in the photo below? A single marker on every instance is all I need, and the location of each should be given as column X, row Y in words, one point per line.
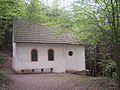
column 44, row 82
column 58, row 82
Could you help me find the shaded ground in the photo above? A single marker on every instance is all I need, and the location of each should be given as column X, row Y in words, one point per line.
column 58, row 82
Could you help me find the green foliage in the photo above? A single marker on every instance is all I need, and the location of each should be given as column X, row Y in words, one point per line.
column 34, row 11
column 9, row 9
column 3, row 79
column 114, row 76
column 110, row 69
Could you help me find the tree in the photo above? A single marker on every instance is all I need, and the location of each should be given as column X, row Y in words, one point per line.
column 106, row 18
column 35, row 11
column 9, row 9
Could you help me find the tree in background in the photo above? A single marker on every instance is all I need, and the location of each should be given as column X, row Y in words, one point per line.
column 103, row 17
column 9, row 9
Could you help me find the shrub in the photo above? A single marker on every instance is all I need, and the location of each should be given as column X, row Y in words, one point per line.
column 3, row 79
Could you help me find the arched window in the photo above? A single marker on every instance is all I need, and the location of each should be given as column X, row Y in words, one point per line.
column 34, row 55
column 50, row 55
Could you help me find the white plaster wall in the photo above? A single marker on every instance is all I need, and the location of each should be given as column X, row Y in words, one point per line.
column 14, row 55
column 62, row 61
column 77, row 60
column 23, row 57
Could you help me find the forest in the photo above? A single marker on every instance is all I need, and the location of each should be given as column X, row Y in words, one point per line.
column 96, row 23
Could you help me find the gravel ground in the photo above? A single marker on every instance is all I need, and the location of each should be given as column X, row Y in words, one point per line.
column 56, row 81
column 44, row 82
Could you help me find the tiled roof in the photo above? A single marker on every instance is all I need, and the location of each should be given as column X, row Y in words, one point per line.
column 31, row 32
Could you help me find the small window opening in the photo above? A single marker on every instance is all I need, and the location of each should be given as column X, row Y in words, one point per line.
column 70, row 53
